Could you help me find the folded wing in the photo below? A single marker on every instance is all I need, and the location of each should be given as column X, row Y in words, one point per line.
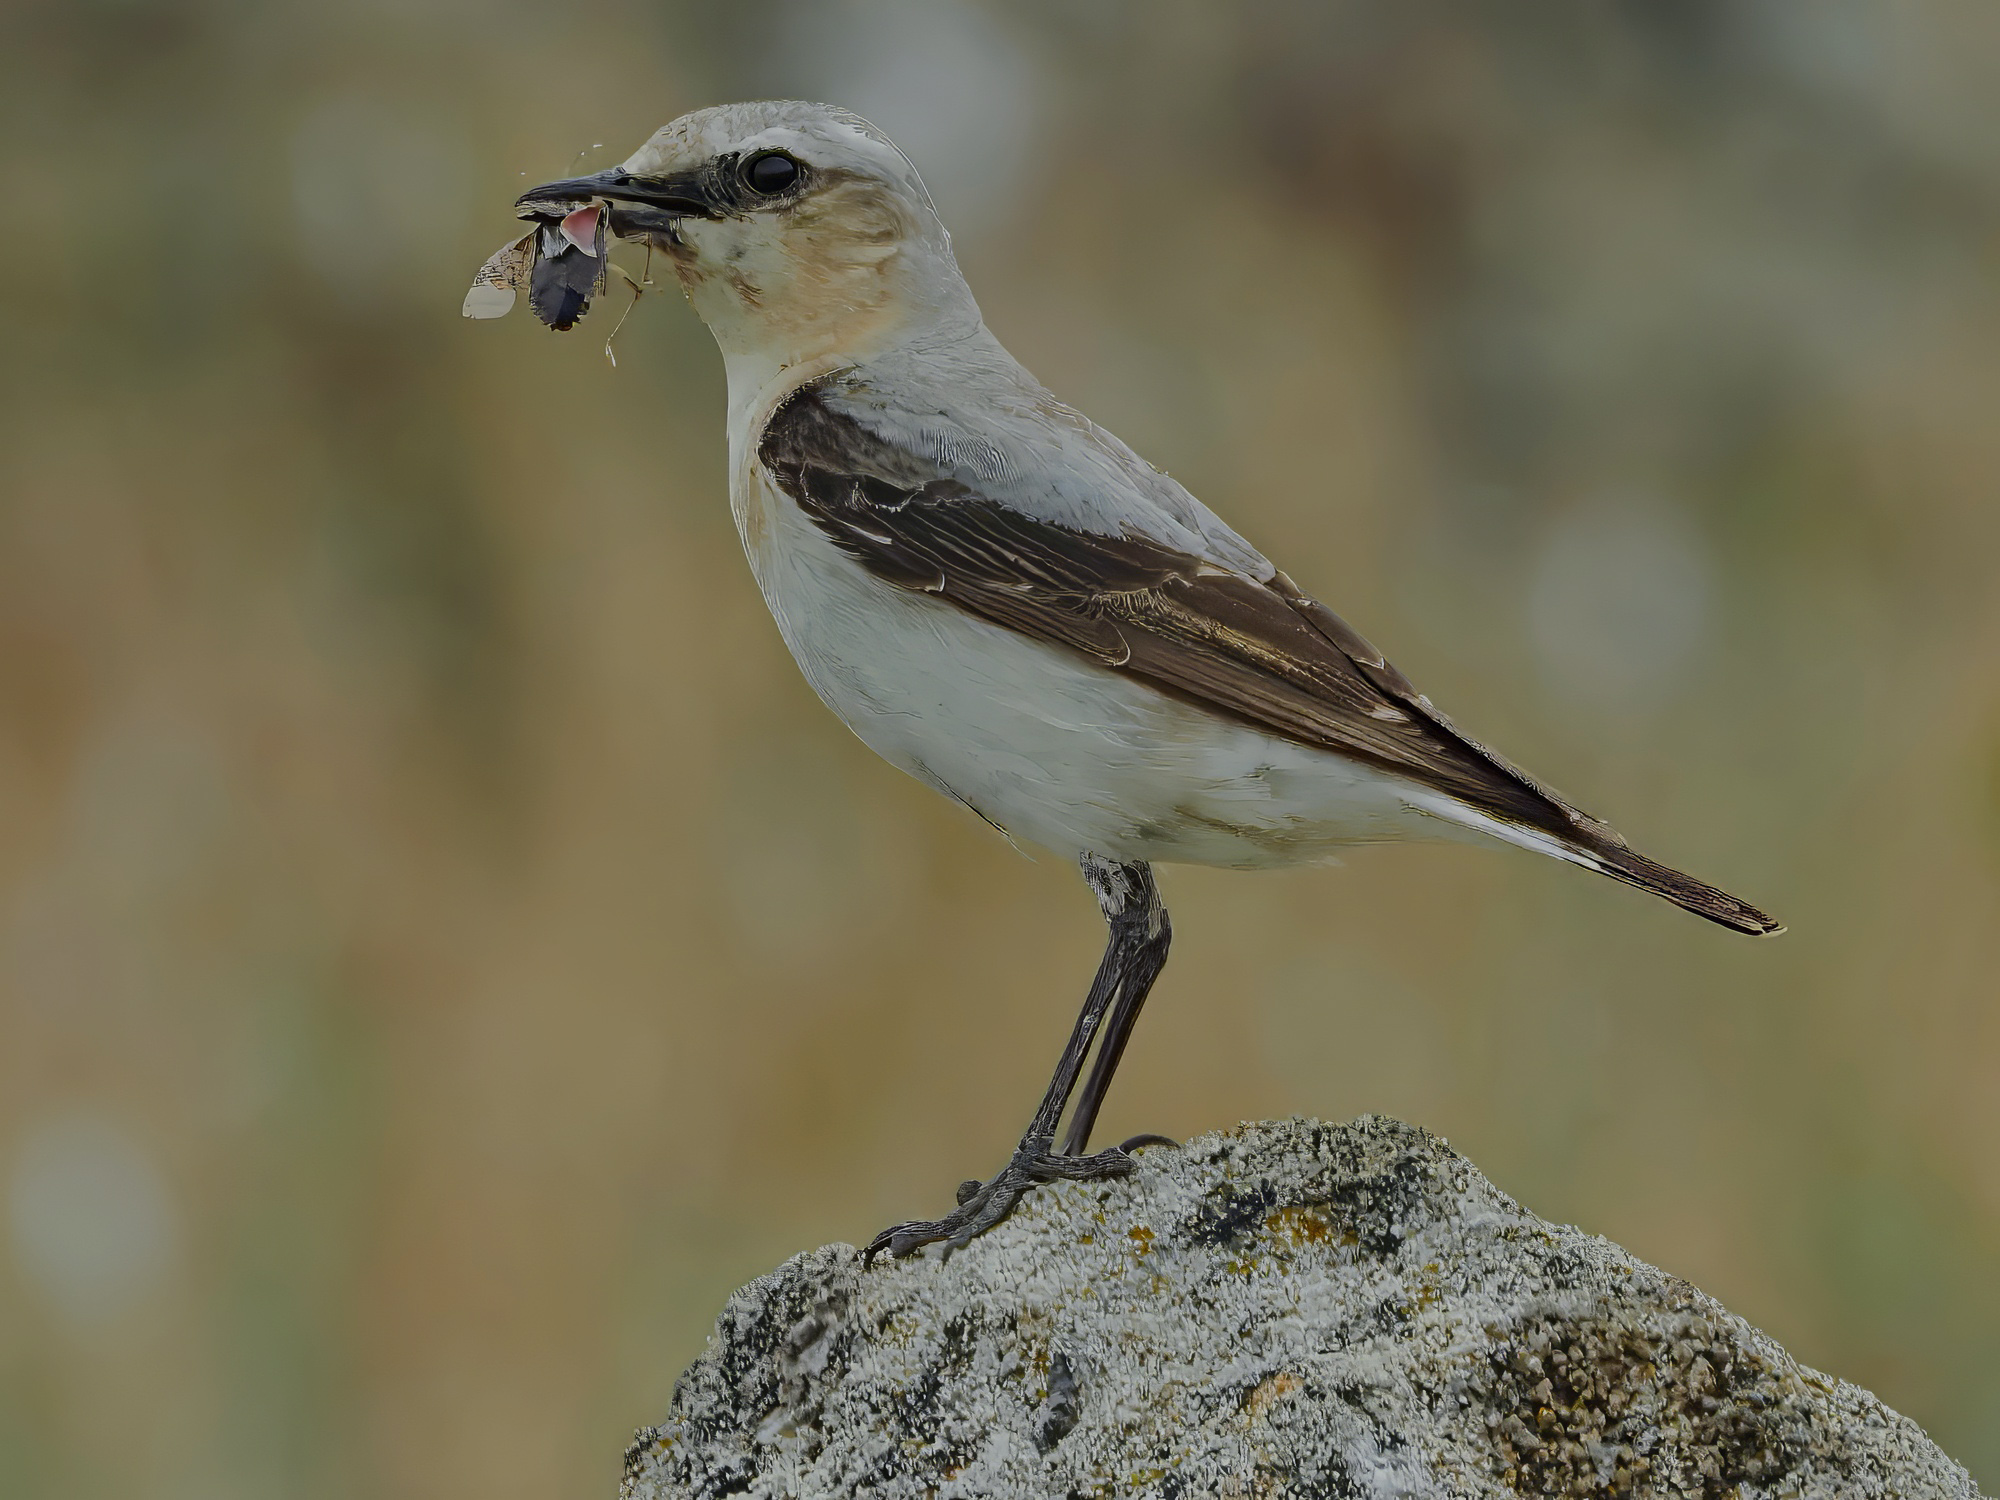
column 1259, row 651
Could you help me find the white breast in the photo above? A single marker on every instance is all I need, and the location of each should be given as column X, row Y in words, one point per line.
column 1042, row 742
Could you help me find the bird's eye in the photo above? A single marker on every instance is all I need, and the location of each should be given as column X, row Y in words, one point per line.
column 770, row 173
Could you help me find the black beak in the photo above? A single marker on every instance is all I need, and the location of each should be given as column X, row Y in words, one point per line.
column 678, row 196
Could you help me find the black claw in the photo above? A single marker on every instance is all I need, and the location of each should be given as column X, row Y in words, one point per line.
column 1132, row 1144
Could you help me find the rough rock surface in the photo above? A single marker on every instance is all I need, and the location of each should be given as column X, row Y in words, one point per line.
column 1285, row 1309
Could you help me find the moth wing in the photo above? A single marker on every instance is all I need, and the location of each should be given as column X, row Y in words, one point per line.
column 501, row 279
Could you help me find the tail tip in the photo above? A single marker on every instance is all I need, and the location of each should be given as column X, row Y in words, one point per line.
column 1696, row 896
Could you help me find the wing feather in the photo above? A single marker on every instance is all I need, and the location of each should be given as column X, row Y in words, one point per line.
column 1262, row 652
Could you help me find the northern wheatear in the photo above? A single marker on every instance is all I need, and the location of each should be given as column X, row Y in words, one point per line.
column 1004, row 600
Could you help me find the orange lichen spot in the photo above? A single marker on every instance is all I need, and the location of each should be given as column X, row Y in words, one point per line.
column 1302, row 1226
column 1269, row 1391
column 1141, row 1238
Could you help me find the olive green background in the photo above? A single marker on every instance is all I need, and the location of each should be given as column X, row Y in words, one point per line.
column 444, row 947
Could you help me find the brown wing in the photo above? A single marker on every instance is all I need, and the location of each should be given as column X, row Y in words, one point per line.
column 1263, row 653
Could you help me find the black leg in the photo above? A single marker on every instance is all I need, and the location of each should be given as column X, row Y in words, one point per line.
column 1135, row 951
column 1148, row 934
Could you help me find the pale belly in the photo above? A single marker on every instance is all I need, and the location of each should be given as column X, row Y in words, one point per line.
column 1044, row 743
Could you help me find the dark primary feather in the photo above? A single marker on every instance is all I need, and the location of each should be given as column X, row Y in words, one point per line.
column 1263, row 653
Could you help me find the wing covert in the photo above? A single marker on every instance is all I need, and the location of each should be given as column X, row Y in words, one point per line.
column 1263, row 653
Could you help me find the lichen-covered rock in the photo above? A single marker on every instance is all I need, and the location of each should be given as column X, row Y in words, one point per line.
column 1285, row 1309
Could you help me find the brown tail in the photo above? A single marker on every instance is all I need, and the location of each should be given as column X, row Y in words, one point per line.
column 1683, row 890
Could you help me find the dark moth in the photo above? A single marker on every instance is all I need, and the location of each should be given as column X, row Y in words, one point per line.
column 560, row 263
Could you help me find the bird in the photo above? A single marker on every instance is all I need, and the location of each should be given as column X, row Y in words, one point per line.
column 1006, row 602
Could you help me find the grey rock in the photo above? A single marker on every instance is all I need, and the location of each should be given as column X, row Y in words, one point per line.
column 1284, row 1309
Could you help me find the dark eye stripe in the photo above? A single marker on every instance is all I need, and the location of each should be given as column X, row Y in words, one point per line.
column 769, row 173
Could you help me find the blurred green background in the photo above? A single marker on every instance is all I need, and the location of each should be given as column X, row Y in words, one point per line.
column 444, row 946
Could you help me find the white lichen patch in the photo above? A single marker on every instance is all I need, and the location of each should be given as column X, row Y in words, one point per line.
column 1286, row 1309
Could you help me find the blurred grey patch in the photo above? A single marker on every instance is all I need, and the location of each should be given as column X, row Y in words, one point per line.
column 952, row 85
column 380, row 199
column 1618, row 603
column 93, row 1223
column 1838, row 43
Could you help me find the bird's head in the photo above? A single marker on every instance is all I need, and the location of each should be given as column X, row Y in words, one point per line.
column 797, row 230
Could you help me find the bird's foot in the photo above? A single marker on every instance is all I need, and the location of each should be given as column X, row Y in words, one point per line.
column 981, row 1205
